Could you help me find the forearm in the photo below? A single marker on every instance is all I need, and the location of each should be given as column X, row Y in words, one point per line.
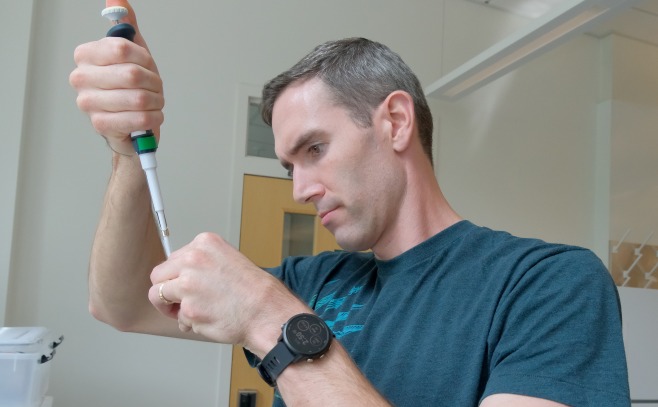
column 125, row 250
column 332, row 380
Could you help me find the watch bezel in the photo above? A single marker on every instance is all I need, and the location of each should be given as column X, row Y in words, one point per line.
column 325, row 336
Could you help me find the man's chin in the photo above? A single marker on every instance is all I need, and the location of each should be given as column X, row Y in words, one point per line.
column 351, row 245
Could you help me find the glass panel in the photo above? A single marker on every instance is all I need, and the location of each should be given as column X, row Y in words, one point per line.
column 634, row 189
column 297, row 234
column 260, row 139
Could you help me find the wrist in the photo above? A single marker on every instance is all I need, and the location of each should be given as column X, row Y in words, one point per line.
column 122, row 148
column 276, row 306
column 265, row 335
column 304, row 337
column 127, row 182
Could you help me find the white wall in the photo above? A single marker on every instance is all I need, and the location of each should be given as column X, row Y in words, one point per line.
column 634, row 167
column 16, row 49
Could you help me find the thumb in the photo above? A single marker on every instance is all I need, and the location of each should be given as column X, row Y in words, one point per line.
column 131, row 19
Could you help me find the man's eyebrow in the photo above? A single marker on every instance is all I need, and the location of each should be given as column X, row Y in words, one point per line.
column 301, row 141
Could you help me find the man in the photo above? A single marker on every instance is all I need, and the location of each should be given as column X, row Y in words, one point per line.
column 440, row 312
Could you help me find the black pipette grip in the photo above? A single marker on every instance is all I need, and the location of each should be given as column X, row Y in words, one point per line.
column 123, row 30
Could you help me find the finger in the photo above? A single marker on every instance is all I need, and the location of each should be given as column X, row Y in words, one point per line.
column 119, row 100
column 167, row 271
column 131, row 19
column 112, row 50
column 117, row 76
column 117, row 126
column 183, row 327
column 158, row 297
column 184, row 323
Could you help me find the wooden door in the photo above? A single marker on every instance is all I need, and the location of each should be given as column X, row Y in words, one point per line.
column 273, row 226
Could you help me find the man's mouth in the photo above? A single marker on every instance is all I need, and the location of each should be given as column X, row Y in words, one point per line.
column 324, row 218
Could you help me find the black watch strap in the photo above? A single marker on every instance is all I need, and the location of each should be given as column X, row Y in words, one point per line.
column 304, row 336
column 275, row 362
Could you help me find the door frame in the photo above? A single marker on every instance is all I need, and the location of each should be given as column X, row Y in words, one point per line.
column 241, row 165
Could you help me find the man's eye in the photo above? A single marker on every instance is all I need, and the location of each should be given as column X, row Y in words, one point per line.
column 315, row 149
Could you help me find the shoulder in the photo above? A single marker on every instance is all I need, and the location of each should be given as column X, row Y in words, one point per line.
column 512, row 267
column 502, row 248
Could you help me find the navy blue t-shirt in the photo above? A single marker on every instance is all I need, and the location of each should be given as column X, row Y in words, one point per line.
column 473, row 312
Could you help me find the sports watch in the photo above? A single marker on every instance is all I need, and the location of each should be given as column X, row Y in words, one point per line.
column 303, row 337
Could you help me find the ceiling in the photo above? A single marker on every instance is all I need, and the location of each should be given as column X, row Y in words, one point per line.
column 527, row 8
column 639, row 22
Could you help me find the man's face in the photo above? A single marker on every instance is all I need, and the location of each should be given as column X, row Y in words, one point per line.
column 348, row 172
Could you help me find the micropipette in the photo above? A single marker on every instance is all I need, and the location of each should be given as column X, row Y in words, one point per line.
column 144, row 141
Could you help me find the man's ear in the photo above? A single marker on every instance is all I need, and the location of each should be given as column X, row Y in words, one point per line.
column 399, row 111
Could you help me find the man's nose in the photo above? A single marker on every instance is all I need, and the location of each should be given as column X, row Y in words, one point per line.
column 305, row 188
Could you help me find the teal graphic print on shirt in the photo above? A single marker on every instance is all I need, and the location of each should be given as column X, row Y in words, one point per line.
column 330, row 303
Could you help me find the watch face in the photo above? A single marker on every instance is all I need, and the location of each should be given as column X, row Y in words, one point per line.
column 307, row 335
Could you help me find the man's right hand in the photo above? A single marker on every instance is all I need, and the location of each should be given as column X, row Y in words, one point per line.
column 119, row 86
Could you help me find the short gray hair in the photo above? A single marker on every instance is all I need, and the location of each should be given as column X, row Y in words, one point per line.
column 360, row 73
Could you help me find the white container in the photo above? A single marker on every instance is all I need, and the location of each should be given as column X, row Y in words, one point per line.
column 25, row 355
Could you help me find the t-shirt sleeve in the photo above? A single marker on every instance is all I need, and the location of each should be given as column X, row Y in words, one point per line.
column 294, row 273
column 306, row 275
column 557, row 334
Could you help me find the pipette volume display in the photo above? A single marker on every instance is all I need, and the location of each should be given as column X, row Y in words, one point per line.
column 144, row 141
